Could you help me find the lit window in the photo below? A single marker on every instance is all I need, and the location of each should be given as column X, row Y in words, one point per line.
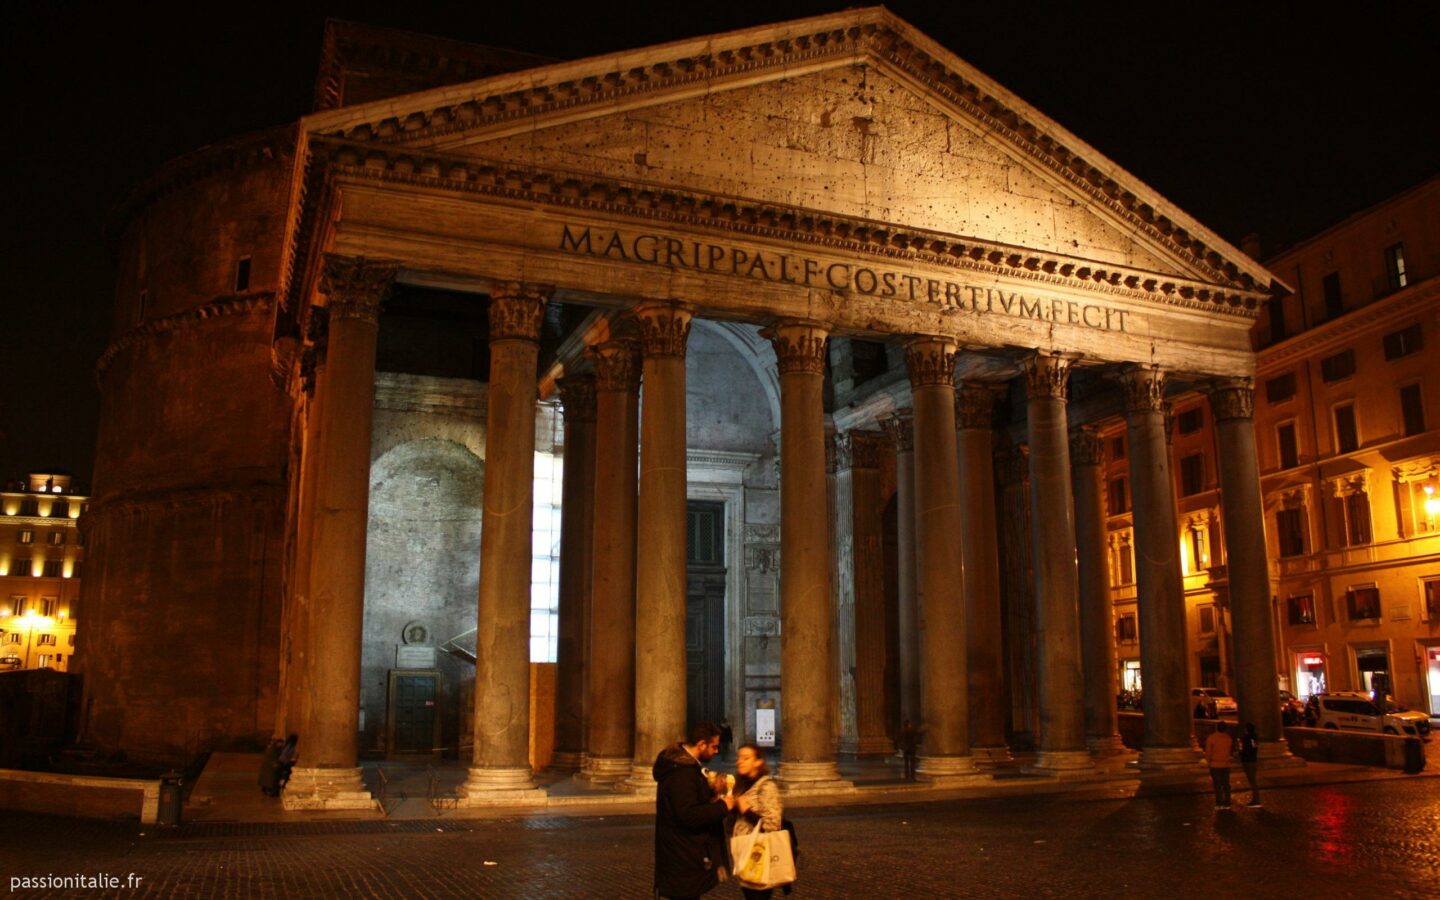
column 1395, row 266
column 1363, row 602
column 545, row 559
column 55, row 538
column 1301, row 609
column 45, row 640
column 25, row 537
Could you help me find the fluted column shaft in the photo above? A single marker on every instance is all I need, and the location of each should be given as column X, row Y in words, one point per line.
column 862, row 564
column 1158, row 579
column 1057, row 611
column 1097, row 632
column 900, row 427
column 944, row 693
column 330, row 676
column 612, row 618
column 660, row 672
column 980, row 555
column 577, row 533
column 502, row 642
column 1256, row 686
column 807, row 623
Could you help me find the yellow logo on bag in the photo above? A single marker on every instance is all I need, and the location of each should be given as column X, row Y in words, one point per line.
column 754, row 867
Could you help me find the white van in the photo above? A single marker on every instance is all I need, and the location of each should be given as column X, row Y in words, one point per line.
column 1354, row 711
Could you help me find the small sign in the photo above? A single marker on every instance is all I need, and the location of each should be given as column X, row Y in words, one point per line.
column 1312, row 660
column 765, row 727
column 414, row 657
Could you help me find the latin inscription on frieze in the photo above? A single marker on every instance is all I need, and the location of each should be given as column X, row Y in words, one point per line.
column 649, row 248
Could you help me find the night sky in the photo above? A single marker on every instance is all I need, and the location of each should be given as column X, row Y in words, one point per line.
column 1249, row 120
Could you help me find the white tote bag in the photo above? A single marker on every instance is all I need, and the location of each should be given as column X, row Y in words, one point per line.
column 763, row 859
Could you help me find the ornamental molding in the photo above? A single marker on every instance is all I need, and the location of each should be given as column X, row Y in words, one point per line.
column 975, row 405
column 1377, row 317
column 577, row 396
column 465, row 113
column 224, row 307
column 1047, row 375
column 1349, row 483
column 516, row 313
column 900, row 429
column 1145, row 392
column 859, row 450
column 1292, row 497
column 762, row 534
column 799, row 346
column 356, row 287
column 1232, row 399
column 731, row 461
column 1416, row 470
column 617, row 365
column 586, row 192
column 663, row 328
column 1086, row 446
column 930, row 360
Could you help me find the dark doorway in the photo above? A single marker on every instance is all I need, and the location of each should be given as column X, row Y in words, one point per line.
column 413, row 721
column 705, row 612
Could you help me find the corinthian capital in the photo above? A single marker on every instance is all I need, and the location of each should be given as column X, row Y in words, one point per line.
column 617, row 365
column 900, row 428
column 577, row 396
column 517, row 311
column 1144, row 389
column 1232, row 398
column 1048, row 375
column 355, row 287
column 799, row 346
column 663, row 326
column 930, row 361
column 1086, row 448
column 974, row 405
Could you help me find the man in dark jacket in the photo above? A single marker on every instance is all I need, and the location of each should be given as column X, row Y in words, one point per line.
column 690, row 850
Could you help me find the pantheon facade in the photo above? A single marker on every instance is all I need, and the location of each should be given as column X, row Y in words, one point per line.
column 830, row 318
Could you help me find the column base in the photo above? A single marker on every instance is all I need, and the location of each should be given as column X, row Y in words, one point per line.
column 875, row 746
column 944, row 771
column 991, row 757
column 605, row 770
column 1106, row 746
column 812, row 778
column 641, row 780
column 1277, row 755
column 500, row 786
column 1062, row 764
column 318, row 789
column 568, row 760
column 1168, row 758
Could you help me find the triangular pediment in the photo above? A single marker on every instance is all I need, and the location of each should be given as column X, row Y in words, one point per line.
column 855, row 116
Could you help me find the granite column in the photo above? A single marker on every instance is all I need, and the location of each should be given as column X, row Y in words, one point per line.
column 577, row 533
column 1097, row 619
column 901, row 429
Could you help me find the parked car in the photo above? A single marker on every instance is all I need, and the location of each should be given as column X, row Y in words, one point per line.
column 1212, row 703
column 1354, row 711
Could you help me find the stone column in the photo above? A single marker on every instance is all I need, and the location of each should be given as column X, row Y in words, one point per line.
column 612, row 619
column 1232, row 403
column 1097, row 621
column 330, row 673
column 900, row 428
column 501, row 769
column 863, row 576
column 1158, row 580
column 660, row 586
column 577, row 533
column 980, row 555
column 944, row 691
column 807, row 618
column 1057, row 588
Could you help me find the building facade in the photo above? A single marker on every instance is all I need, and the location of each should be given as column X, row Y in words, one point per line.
column 42, row 551
column 1348, row 439
column 835, row 324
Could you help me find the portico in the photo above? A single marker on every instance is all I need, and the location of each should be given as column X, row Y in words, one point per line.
column 608, row 213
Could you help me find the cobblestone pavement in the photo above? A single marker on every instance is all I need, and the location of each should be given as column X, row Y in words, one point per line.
column 1363, row 840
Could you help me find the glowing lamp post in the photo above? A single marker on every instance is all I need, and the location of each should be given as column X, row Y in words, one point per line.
column 33, row 621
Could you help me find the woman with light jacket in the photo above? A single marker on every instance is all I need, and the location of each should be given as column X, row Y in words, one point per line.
column 757, row 803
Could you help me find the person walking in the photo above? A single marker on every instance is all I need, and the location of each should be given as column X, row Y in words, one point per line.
column 1250, row 762
column 757, row 803
column 691, row 855
column 910, row 736
column 1218, row 747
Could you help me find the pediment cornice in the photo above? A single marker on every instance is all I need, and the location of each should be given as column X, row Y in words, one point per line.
column 464, row 113
column 746, row 217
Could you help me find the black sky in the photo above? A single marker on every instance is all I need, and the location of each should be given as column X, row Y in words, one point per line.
column 1272, row 118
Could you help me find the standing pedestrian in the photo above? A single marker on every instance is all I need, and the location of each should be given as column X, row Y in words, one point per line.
column 1250, row 762
column 691, row 855
column 1218, row 748
column 910, row 736
column 757, row 803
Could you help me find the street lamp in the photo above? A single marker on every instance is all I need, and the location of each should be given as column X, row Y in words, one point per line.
column 31, row 621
